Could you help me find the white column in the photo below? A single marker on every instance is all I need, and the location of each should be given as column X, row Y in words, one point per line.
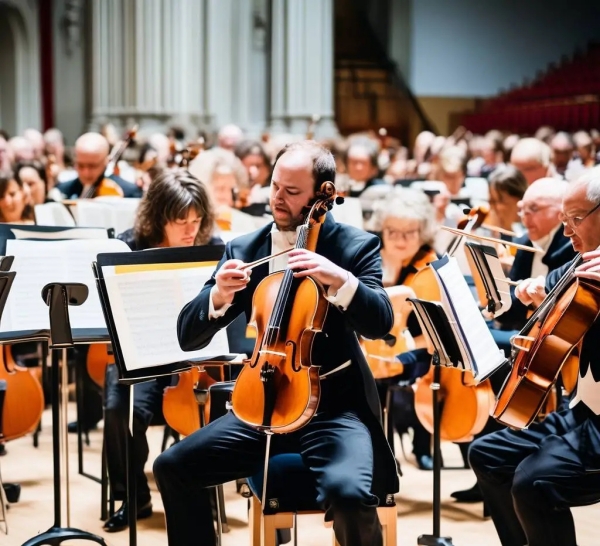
column 302, row 71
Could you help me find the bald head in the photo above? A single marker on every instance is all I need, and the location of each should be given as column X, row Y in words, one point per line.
column 91, row 157
column 230, row 136
column 21, row 148
column 546, row 190
column 532, row 157
column 541, row 205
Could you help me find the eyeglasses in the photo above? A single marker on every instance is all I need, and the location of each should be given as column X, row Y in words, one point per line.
column 575, row 221
column 535, row 209
column 396, row 234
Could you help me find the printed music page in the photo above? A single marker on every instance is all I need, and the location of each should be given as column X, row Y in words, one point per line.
column 38, row 263
column 145, row 306
column 74, row 233
column 486, row 356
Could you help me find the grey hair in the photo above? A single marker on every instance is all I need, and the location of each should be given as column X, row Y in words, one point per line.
column 409, row 204
column 591, row 179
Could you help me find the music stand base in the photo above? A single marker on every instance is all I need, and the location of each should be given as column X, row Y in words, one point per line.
column 56, row 535
column 430, row 540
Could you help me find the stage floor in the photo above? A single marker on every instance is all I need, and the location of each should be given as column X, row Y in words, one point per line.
column 33, row 514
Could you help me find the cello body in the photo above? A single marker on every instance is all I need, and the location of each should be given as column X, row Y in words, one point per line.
column 541, row 354
column 288, row 400
column 24, row 400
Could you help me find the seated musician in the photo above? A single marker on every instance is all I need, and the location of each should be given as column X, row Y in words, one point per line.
column 176, row 211
column 407, row 228
column 539, row 211
column 362, row 166
column 343, row 445
column 91, row 160
column 226, row 178
column 258, row 166
column 531, row 478
column 15, row 207
column 33, row 175
column 507, row 187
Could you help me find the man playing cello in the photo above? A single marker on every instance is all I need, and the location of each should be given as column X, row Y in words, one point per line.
column 530, row 478
column 343, row 444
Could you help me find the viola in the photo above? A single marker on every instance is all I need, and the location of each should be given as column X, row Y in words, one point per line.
column 278, row 388
column 24, row 400
column 465, row 406
column 544, row 345
column 381, row 353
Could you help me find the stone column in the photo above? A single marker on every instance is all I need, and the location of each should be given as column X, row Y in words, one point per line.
column 302, row 71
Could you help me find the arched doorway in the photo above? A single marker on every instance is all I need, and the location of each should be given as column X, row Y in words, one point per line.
column 19, row 67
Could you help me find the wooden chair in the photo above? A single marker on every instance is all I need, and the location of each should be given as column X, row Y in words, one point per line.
column 291, row 492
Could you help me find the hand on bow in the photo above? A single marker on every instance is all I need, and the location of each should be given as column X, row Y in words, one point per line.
column 531, row 291
column 229, row 280
column 305, row 263
column 590, row 268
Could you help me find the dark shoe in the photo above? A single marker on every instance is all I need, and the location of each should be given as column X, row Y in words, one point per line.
column 2, row 450
column 120, row 521
column 468, row 495
column 12, row 492
column 425, row 462
column 72, row 427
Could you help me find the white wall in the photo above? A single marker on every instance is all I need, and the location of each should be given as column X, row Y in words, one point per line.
column 475, row 47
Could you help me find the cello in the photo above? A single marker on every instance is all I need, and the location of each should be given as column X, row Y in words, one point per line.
column 547, row 343
column 278, row 388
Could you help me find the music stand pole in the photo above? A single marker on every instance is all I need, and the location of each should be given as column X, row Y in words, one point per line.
column 58, row 297
column 436, row 539
column 131, row 477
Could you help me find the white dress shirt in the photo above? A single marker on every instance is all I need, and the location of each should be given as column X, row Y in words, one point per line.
column 538, row 268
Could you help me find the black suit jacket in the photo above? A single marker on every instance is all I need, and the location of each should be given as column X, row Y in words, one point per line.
column 369, row 314
column 559, row 252
column 72, row 189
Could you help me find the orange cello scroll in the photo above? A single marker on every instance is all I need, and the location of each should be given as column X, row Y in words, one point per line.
column 278, row 389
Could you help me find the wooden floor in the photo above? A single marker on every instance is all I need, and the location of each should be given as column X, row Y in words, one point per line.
column 34, row 512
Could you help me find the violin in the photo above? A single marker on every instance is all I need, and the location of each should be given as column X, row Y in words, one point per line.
column 278, row 388
column 181, row 407
column 24, row 400
column 381, row 353
column 544, row 345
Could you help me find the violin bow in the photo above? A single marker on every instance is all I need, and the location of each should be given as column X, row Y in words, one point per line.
column 491, row 239
column 261, row 261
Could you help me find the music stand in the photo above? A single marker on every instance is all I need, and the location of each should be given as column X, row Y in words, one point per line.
column 146, row 267
column 58, row 297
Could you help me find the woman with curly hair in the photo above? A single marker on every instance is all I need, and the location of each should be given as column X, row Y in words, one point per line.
column 15, row 207
column 176, row 211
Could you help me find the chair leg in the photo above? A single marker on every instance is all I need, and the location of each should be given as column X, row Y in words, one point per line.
column 389, row 519
column 104, row 484
column 223, row 515
column 4, row 506
column 255, row 523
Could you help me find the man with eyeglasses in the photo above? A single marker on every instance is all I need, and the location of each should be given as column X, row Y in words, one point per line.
column 531, row 478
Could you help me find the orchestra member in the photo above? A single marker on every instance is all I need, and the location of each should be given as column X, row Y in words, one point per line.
column 362, row 165
column 343, row 445
column 258, row 166
column 533, row 158
column 176, row 211
column 531, row 478
column 33, row 175
column 14, row 201
column 507, row 187
column 91, row 160
column 408, row 227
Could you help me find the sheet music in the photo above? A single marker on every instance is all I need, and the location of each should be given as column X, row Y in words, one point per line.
column 38, row 263
column 87, row 233
column 145, row 306
column 486, row 356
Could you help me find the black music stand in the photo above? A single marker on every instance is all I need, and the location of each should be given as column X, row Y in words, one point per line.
column 58, row 296
column 436, row 327
column 198, row 254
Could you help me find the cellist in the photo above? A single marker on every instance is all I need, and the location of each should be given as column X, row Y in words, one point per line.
column 343, row 444
column 531, row 478
column 408, row 225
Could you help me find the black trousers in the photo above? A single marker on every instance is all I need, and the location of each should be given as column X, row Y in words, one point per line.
column 147, row 410
column 530, row 478
column 336, row 446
